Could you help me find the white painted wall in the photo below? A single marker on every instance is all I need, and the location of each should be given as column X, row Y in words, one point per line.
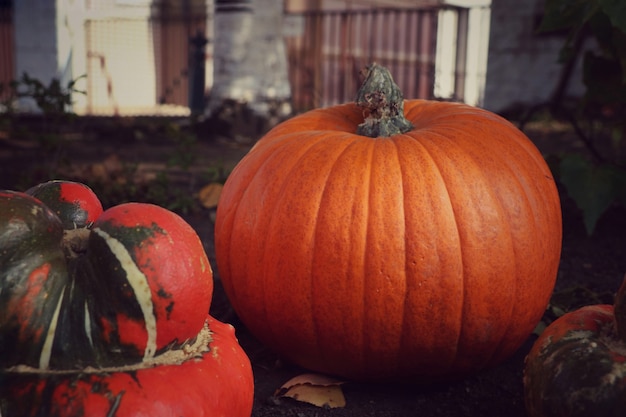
column 53, row 38
column 112, row 44
column 474, row 73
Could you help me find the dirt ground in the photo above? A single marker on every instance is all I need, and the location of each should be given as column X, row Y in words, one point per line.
column 591, row 269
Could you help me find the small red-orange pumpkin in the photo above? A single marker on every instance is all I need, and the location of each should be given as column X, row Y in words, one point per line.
column 576, row 368
column 214, row 381
column 430, row 253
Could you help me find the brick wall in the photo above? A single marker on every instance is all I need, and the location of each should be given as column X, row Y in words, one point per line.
column 7, row 47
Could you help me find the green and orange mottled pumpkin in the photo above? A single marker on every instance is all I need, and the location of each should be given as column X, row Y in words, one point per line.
column 75, row 204
column 101, row 313
column 577, row 366
column 388, row 238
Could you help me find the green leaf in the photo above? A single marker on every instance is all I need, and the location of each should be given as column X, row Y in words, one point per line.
column 616, row 11
column 620, row 186
column 567, row 14
column 617, row 136
column 619, row 46
column 603, row 78
column 592, row 187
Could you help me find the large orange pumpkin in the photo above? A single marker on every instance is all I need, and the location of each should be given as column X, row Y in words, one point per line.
column 430, row 253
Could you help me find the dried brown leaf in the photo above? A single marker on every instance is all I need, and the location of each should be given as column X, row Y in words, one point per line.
column 315, row 389
column 209, row 195
column 108, row 169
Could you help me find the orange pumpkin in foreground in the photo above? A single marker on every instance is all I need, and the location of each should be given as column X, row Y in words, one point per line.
column 429, row 252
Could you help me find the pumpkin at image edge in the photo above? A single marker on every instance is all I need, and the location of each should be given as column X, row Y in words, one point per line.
column 427, row 253
column 73, row 340
column 577, row 366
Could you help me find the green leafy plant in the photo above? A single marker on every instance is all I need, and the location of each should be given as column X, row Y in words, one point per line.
column 184, row 153
column 52, row 99
column 596, row 179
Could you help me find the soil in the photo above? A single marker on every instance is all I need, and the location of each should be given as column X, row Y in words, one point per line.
column 591, row 269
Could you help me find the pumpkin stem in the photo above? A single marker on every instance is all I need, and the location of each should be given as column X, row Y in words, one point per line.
column 382, row 103
column 75, row 242
column 619, row 311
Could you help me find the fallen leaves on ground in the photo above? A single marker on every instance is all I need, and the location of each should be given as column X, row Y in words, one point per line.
column 209, row 195
column 315, row 389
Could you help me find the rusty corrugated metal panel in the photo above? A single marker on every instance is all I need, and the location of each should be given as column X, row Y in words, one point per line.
column 332, row 46
column 172, row 36
column 7, row 48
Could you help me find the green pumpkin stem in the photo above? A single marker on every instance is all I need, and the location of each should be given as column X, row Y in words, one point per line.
column 620, row 311
column 382, row 103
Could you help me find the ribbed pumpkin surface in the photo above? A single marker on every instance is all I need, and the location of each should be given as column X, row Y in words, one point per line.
column 426, row 254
